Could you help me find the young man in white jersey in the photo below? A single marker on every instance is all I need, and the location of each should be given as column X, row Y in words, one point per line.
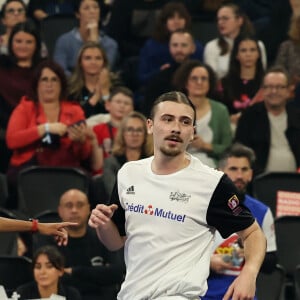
column 165, row 210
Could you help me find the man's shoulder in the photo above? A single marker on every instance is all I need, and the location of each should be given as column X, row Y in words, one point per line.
column 203, row 170
column 255, row 204
column 131, row 165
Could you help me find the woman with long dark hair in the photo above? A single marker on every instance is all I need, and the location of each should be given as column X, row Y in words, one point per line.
column 16, row 72
column 232, row 22
column 241, row 85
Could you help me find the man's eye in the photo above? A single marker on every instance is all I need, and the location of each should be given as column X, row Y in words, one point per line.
column 186, row 122
column 167, row 119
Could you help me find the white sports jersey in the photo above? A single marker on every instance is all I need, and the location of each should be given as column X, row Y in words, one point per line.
column 170, row 222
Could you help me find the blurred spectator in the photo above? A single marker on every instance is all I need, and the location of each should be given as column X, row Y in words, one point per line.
column 241, row 85
column 155, row 55
column 45, row 129
column 272, row 128
column 95, row 271
column 68, row 45
column 90, row 82
column 289, row 51
column 48, row 267
column 12, row 12
column 131, row 23
column 40, row 9
column 119, row 105
column 228, row 259
column 232, row 22
column 212, row 133
column 131, row 143
column 16, row 72
column 181, row 47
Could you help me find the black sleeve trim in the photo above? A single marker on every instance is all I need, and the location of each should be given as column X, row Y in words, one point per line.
column 226, row 211
column 119, row 215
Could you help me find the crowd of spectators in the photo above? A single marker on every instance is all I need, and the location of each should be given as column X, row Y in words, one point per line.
column 87, row 106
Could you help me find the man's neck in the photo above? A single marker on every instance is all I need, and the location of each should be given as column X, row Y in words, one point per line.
column 164, row 165
column 276, row 111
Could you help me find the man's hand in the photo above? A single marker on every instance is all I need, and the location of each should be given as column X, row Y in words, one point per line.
column 58, row 230
column 101, row 215
column 243, row 287
column 217, row 263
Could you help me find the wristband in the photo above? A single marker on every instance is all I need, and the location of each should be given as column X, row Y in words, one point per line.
column 47, row 127
column 34, row 227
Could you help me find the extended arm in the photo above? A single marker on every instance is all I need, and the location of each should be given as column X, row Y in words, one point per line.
column 56, row 229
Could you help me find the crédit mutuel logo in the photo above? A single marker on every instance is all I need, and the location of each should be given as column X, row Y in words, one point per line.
column 154, row 211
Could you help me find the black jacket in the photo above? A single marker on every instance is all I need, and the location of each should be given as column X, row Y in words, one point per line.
column 253, row 130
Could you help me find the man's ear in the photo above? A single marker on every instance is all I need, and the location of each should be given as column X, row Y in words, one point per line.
column 150, row 126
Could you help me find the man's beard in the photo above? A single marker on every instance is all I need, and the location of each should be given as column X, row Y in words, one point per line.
column 170, row 151
column 243, row 188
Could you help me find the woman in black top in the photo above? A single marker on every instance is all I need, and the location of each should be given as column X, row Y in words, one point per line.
column 48, row 268
column 243, row 81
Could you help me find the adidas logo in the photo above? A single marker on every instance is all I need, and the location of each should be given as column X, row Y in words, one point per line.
column 130, row 190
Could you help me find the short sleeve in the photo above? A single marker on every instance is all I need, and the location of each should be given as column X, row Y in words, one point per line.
column 226, row 212
column 119, row 215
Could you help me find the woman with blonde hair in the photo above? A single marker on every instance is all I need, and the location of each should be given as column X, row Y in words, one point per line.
column 132, row 143
column 90, row 81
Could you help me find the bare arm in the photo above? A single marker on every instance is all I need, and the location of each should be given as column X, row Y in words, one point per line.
column 254, row 241
column 56, row 229
column 107, row 231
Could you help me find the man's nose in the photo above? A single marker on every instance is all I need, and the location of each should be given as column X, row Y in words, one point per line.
column 176, row 127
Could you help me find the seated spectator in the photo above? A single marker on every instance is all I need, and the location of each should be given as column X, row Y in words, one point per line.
column 90, row 267
column 227, row 261
column 155, row 55
column 272, row 128
column 90, row 82
column 48, row 267
column 45, row 129
column 38, row 10
column 119, row 105
column 212, row 133
column 181, row 47
column 241, row 85
column 131, row 143
column 68, row 45
column 16, row 72
column 12, row 12
column 232, row 22
column 288, row 53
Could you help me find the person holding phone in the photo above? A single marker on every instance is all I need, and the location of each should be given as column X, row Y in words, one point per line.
column 38, row 131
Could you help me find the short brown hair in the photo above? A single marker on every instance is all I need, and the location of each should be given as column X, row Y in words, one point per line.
column 173, row 96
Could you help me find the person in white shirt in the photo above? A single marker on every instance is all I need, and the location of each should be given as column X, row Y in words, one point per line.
column 165, row 210
column 232, row 22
